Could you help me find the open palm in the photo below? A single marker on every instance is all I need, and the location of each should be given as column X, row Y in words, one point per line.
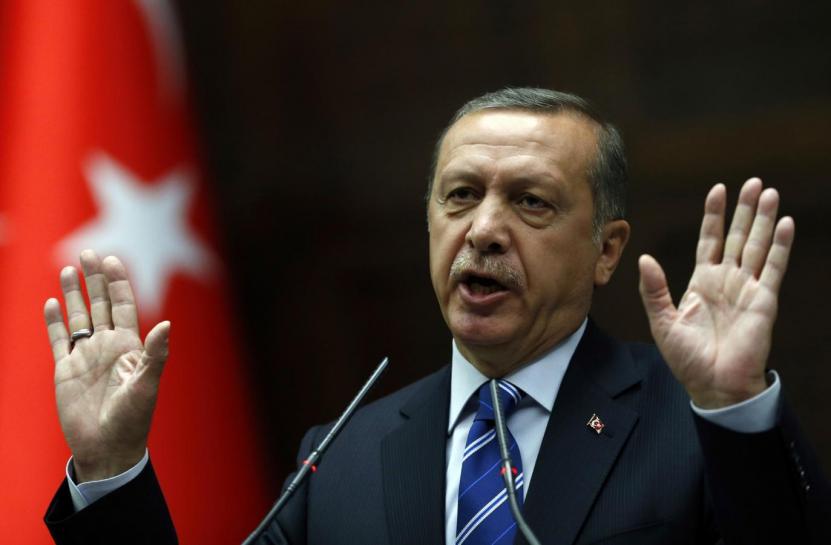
column 105, row 385
column 718, row 339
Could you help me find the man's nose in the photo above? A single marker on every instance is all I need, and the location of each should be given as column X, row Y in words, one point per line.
column 489, row 227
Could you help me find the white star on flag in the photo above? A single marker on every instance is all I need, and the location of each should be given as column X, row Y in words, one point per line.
column 143, row 224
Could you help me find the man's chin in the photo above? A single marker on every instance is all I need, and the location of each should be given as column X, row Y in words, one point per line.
column 481, row 333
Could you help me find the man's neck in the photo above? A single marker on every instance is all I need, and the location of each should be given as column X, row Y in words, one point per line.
column 497, row 361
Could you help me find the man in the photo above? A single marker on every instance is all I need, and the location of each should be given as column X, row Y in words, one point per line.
column 526, row 217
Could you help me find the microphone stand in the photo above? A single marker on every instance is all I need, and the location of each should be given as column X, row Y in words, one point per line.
column 507, row 467
column 309, row 464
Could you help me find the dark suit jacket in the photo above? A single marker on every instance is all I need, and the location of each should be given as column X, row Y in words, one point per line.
column 655, row 475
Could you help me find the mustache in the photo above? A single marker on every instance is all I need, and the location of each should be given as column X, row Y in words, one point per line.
column 492, row 266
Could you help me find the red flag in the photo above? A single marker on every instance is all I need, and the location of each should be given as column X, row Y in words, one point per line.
column 97, row 151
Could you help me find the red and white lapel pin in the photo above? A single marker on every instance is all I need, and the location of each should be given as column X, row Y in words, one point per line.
column 595, row 423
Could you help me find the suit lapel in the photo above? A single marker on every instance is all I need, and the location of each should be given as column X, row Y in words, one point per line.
column 574, row 460
column 413, row 463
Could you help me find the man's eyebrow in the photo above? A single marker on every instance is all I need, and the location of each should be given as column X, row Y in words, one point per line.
column 457, row 173
column 471, row 175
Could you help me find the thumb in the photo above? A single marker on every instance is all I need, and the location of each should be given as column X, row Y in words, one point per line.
column 156, row 348
column 655, row 294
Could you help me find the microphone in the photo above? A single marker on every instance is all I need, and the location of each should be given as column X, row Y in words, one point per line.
column 310, row 463
column 507, row 466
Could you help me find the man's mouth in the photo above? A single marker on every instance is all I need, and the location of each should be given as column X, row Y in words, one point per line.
column 482, row 285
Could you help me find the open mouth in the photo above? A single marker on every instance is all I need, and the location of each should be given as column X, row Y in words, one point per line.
column 481, row 285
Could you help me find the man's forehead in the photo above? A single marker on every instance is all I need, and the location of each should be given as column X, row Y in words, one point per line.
column 507, row 121
column 496, row 132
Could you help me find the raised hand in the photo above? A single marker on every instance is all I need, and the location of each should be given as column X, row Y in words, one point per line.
column 718, row 339
column 106, row 384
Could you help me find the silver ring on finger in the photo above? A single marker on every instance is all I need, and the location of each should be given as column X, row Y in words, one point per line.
column 80, row 334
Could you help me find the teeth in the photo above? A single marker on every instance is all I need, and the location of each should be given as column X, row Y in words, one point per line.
column 481, row 289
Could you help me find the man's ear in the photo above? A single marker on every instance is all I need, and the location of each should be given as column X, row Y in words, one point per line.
column 613, row 240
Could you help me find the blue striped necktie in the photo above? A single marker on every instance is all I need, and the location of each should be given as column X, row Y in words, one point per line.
column 484, row 516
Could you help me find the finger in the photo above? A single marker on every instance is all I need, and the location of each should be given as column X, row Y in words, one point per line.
column 56, row 329
column 156, row 350
column 124, row 314
column 777, row 260
column 742, row 219
column 99, row 298
column 76, row 307
column 758, row 242
column 655, row 295
column 711, row 236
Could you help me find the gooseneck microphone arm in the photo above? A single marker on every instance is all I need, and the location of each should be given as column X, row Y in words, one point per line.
column 507, row 466
column 310, row 463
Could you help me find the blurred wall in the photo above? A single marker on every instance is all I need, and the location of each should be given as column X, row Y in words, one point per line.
column 318, row 120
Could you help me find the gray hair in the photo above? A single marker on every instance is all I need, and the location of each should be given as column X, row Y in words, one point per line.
column 608, row 172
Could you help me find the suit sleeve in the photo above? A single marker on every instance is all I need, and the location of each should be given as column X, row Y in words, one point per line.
column 766, row 487
column 135, row 514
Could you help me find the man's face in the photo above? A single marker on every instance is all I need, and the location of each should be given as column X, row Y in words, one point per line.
column 512, row 259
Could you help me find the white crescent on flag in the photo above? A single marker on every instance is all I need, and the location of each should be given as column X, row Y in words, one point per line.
column 166, row 39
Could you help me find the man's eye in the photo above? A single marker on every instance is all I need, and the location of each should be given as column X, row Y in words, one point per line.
column 462, row 194
column 530, row 201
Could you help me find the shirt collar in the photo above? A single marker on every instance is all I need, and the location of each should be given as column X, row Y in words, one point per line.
column 540, row 379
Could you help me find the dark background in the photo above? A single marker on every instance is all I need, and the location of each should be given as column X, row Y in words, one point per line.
column 318, row 119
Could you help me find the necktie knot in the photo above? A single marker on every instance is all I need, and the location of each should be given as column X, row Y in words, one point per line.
column 509, row 396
